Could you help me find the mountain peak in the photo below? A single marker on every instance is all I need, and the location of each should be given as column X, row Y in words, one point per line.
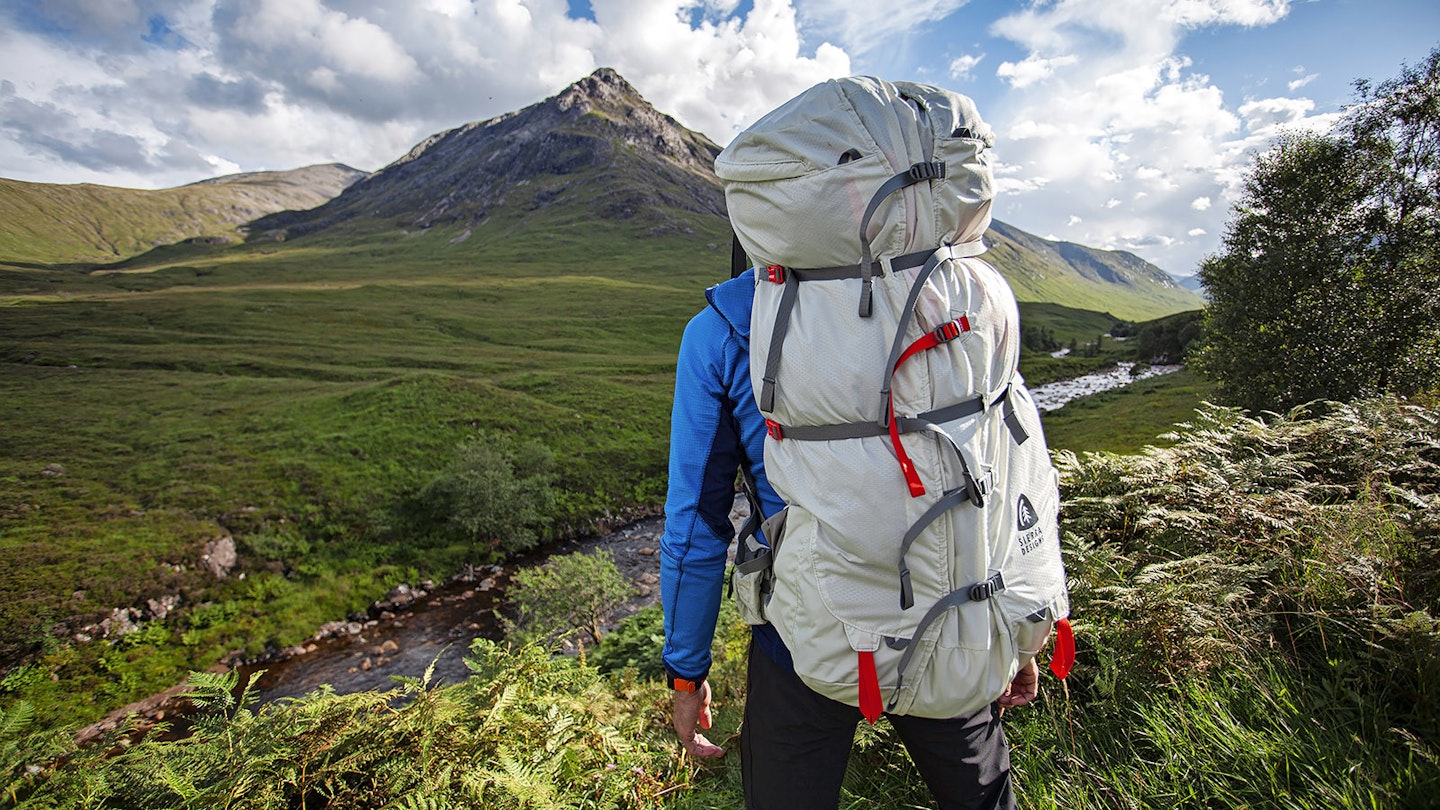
column 598, row 133
column 604, row 87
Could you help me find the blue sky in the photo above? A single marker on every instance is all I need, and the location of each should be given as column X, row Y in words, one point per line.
column 1123, row 124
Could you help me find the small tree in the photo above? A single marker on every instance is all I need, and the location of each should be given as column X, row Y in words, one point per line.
column 496, row 496
column 568, row 593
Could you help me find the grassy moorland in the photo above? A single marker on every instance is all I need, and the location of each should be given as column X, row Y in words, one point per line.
column 297, row 400
column 1255, row 608
column 1126, row 420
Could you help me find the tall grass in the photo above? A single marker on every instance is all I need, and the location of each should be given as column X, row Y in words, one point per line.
column 1256, row 611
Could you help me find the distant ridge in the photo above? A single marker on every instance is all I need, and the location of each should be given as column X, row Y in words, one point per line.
column 52, row 224
column 1114, row 281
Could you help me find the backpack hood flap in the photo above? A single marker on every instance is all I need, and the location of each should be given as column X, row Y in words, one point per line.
column 840, row 141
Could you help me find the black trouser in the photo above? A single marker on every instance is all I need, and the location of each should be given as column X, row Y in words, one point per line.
column 794, row 745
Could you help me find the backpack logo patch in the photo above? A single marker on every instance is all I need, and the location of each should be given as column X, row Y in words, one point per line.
column 1026, row 519
column 1025, row 514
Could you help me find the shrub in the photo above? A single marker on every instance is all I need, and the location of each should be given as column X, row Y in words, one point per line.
column 570, row 592
column 497, row 496
column 636, row 643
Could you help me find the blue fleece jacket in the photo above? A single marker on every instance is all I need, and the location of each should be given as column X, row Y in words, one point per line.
column 715, row 427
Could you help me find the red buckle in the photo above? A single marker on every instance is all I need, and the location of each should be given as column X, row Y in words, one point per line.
column 775, row 273
column 946, row 332
column 773, row 428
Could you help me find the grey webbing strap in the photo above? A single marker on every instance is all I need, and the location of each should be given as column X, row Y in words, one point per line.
column 973, row 488
column 865, row 430
column 752, row 496
column 948, row 501
column 915, row 174
column 897, row 345
column 902, row 262
column 756, row 557
column 748, row 555
column 1012, row 420
column 950, row 413
column 978, row 592
column 793, row 277
column 777, row 339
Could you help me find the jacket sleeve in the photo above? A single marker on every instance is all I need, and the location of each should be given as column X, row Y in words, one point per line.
column 705, row 455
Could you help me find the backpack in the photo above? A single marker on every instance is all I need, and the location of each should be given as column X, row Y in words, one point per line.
column 917, row 563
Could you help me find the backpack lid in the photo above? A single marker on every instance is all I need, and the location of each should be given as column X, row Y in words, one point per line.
column 798, row 180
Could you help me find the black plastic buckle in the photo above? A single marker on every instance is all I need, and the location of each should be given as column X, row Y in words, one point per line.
column 947, row 332
column 926, row 171
column 775, row 273
column 981, row 591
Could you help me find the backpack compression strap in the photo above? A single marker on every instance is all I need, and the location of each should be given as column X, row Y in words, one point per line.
column 791, row 278
column 917, row 173
column 899, row 353
column 978, row 592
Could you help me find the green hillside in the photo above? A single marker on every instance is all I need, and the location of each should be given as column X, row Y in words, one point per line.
column 1121, row 283
column 85, row 223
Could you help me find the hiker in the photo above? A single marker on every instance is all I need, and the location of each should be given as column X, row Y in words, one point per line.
column 795, row 741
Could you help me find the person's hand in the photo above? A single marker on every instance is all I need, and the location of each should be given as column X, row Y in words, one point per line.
column 692, row 709
column 1022, row 688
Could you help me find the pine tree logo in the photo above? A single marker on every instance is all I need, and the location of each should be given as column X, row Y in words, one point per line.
column 1025, row 514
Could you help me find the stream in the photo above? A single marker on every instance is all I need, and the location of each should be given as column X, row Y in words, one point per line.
column 437, row 625
column 1052, row 396
column 413, row 627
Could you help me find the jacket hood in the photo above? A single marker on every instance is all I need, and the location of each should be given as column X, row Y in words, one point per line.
column 733, row 299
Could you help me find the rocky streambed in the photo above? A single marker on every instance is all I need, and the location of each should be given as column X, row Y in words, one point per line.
column 1052, row 396
column 405, row 632
column 415, row 626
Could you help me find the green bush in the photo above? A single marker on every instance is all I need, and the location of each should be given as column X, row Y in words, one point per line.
column 497, row 496
column 636, row 643
column 569, row 593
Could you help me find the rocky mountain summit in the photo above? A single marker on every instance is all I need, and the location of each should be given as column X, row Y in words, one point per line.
column 597, row 144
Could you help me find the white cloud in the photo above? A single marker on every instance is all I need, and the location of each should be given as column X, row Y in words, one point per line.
column 863, row 25
column 1106, row 104
column 1269, row 113
column 1296, row 84
column 963, row 67
column 1032, row 70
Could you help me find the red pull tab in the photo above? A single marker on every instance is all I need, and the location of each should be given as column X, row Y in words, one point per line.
column 907, row 467
column 1063, row 659
column 869, row 687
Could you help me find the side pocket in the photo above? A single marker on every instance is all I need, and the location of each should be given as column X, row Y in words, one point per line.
column 754, row 576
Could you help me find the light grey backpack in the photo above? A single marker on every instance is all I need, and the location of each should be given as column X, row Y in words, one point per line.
column 917, row 564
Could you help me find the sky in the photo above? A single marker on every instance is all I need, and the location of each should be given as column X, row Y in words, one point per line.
column 1122, row 124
